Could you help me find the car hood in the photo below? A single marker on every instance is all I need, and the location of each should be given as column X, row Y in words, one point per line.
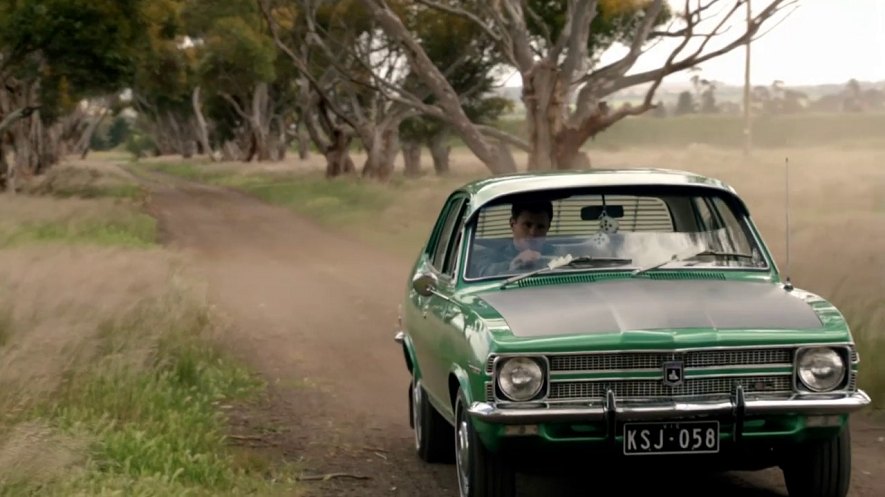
column 643, row 304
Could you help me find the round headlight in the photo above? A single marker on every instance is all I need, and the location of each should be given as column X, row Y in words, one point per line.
column 821, row 369
column 520, row 378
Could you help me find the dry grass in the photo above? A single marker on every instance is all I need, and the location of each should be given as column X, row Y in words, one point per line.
column 61, row 297
column 76, row 214
column 109, row 379
column 34, row 452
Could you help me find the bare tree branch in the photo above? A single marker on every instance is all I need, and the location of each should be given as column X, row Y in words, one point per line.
column 431, row 76
column 236, row 106
column 580, row 14
column 300, row 64
column 545, row 31
column 501, row 37
column 455, row 11
column 618, row 68
column 512, row 21
column 697, row 57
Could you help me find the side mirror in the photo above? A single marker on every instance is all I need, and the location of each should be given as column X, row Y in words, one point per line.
column 424, row 284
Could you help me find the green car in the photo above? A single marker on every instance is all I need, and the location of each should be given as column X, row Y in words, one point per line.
column 622, row 316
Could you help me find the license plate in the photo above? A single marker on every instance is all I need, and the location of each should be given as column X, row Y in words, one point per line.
column 695, row 437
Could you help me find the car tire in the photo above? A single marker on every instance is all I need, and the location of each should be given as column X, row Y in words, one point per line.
column 820, row 468
column 433, row 434
column 480, row 472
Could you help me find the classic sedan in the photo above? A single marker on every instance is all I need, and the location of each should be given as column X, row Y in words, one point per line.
column 620, row 316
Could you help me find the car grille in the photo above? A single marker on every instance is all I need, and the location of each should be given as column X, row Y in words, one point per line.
column 655, row 360
column 609, row 370
column 580, row 390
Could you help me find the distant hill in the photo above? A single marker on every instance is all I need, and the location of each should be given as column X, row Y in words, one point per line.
column 669, row 92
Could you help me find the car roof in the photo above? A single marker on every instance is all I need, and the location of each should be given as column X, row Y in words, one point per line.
column 483, row 191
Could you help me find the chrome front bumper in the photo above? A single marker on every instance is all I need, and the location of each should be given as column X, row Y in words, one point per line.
column 739, row 406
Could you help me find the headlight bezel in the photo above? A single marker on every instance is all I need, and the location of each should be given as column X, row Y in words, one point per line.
column 843, row 352
column 542, row 362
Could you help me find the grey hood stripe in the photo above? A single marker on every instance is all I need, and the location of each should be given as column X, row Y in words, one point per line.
column 643, row 304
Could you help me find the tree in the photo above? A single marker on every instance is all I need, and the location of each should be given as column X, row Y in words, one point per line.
column 450, row 41
column 555, row 46
column 118, row 132
column 50, row 63
column 685, row 104
column 165, row 75
column 329, row 47
column 247, row 86
column 708, row 97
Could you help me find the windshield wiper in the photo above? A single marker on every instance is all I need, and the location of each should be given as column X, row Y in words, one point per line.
column 564, row 261
column 676, row 258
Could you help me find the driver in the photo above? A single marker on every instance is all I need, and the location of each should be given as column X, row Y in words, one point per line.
column 529, row 222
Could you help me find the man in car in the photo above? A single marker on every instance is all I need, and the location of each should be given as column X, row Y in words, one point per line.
column 529, row 221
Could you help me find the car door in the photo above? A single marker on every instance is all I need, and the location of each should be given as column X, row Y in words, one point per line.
column 433, row 345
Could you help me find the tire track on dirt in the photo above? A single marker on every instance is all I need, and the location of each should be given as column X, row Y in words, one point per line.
column 314, row 312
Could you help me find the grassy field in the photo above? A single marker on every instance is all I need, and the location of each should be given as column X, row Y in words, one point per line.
column 837, row 201
column 726, row 131
column 110, row 382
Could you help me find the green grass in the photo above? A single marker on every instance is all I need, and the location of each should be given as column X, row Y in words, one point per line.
column 329, row 201
column 153, row 424
column 123, row 191
column 5, row 323
column 127, row 230
column 188, row 170
column 86, row 182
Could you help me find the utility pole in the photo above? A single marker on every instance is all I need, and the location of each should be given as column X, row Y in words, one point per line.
column 748, row 139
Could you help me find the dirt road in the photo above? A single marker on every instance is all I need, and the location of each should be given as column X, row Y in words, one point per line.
column 314, row 312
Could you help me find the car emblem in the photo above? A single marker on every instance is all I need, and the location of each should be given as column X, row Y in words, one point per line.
column 674, row 373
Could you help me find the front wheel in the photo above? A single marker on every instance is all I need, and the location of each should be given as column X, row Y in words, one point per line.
column 820, row 468
column 481, row 473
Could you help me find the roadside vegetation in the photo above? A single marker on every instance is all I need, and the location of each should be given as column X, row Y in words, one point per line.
column 836, row 213
column 111, row 382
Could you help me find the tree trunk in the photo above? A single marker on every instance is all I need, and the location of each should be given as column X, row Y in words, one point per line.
column 412, row 159
column 86, row 140
column 4, row 169
column 303, row 141
column 507, row 161
column 382, row 150
column 568, row 152
column 338, row 161
column 231, row 151
column 544, row 98
column 281, row 139
column 259, row 122
column 202, row 129
column 439, row 150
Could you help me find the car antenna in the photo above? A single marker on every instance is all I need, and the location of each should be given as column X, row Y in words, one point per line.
column 788, row 286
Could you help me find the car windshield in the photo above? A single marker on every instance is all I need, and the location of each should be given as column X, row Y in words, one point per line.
column 620, row 229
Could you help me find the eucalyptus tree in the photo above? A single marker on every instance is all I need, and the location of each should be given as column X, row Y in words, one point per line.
column 53, row 55
column 557, row 47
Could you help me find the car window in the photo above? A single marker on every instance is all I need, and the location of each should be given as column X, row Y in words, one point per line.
column 727, row 217
column 444, row 240
column 705, row 217
column 632, row 227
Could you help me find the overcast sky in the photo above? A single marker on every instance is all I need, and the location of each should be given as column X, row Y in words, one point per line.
column 821, row 41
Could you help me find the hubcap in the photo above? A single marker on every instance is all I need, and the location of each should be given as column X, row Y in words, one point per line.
column 462, row 454
column 416, row 413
